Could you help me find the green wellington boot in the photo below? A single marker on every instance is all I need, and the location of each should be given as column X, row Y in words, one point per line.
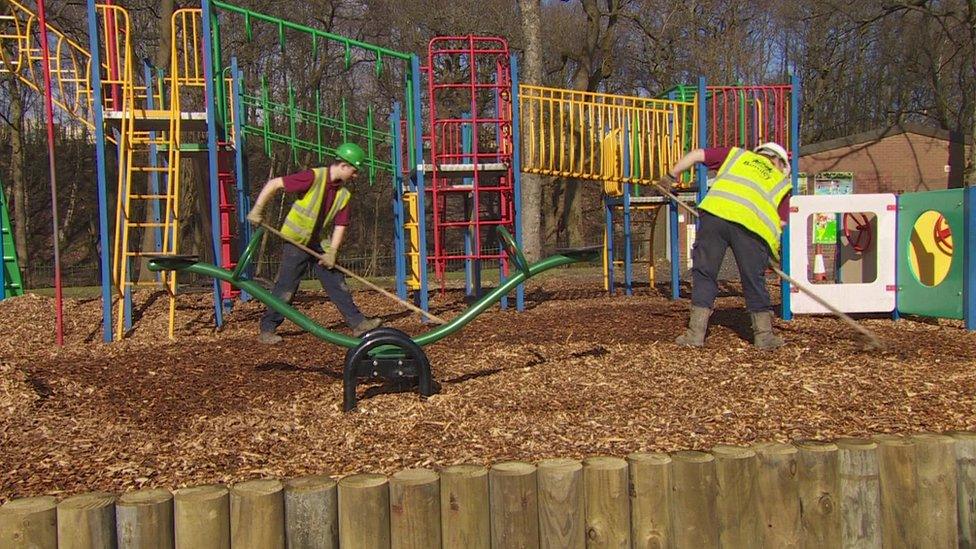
column 762, row 331
column 694, row 336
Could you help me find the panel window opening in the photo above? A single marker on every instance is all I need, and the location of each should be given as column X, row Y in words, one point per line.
column 930, row 248
column 843, row 248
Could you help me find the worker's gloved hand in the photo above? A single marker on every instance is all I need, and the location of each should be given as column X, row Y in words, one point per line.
column 256, row 215
column 328, row 259
column 668, row 179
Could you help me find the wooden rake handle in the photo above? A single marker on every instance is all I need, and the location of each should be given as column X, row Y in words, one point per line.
column 353, row 275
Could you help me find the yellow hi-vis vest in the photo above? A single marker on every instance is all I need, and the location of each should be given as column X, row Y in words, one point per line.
column 301, row 218
column 747, row 190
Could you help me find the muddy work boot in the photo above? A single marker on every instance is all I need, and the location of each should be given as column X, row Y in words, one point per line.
column 694, row 336
column 269, row 338
column 762, row 331
column 366, row 325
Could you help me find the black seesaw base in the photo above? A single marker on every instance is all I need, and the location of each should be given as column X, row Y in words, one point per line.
column 409, row 365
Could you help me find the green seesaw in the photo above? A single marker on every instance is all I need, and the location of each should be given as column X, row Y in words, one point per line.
column 385, row 352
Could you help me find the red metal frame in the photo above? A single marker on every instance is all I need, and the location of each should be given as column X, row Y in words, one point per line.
column 226, row 182
column 736, row 120
column 476, row 59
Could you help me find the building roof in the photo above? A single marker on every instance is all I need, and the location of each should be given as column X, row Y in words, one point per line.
column 882, row 132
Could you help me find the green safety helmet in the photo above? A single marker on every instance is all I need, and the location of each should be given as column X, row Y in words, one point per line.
column 351, row 153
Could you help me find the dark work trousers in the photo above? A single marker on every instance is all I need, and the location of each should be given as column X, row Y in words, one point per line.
column 294, row 264
column 715, row 236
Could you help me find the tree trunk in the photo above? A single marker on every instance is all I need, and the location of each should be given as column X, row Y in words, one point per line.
column 531, row 183
column 574, row 214
column 17, row 171
column 197, row 180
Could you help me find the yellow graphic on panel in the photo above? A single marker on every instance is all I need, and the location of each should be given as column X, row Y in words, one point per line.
column 930, row 250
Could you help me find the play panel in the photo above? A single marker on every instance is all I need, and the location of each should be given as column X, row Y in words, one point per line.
column 930, row 274
column 878, row 295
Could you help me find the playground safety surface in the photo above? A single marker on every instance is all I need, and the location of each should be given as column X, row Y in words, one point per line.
column 578, row 374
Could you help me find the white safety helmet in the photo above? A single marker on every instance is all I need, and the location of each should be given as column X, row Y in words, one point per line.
column 774, row 149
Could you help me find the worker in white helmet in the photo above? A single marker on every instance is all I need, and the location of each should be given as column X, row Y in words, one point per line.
column 745, row 209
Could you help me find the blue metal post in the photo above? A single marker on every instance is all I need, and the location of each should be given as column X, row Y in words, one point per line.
column 96, row 79
column 211, row 106
column 701, row 172
column 674, row 244
column 795, row 97
column 608, row 204
column 895, row 315
column 628, row 255
column 673, row 241
column 240, row 175
column 418, row 163
column 3, row 259
column 126, row 290
column 468, row 247
column 399, row 239
column 153, row 160
column 517, row 173
column 969, row 258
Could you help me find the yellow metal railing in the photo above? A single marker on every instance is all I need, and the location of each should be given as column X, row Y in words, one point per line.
column 602, row 137
column 21, row 54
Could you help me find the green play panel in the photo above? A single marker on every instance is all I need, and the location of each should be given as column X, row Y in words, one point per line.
column 931, row 243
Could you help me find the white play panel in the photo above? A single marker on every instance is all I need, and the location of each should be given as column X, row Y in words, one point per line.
column 874, row 297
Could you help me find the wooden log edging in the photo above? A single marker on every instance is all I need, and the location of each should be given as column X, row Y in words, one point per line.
column 777, row 488
column 465, row 518
column 887, row 490
column 201, row 517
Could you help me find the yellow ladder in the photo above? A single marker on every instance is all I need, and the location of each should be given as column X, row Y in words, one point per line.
column 143, row 134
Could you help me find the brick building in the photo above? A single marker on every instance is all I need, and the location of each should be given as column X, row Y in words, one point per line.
column 902, row 158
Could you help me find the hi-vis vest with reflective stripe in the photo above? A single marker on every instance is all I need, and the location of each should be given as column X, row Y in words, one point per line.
column 301, row 218
column 747, row 190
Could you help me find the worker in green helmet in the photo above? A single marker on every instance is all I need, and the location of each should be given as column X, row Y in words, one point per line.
column 324, row 202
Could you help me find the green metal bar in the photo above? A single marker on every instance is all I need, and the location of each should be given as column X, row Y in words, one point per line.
column 291, row 123
column 315, row 32
column 408, row 101
column 248, row 30
column 311, row 117
column 218, row 75
column 318, row 125
column 310, row 147
column 265, row 115
column 345, row 120
column 369, row 143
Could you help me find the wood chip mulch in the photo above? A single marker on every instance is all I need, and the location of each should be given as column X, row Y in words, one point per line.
column 577, row 374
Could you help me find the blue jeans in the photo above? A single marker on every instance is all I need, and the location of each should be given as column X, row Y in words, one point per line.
column 715, row 236
column 294, row 264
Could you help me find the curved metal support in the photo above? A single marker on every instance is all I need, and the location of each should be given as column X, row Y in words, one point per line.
column 245, row 258
column 369, row 359
column 190, row 264
column 512, row 250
